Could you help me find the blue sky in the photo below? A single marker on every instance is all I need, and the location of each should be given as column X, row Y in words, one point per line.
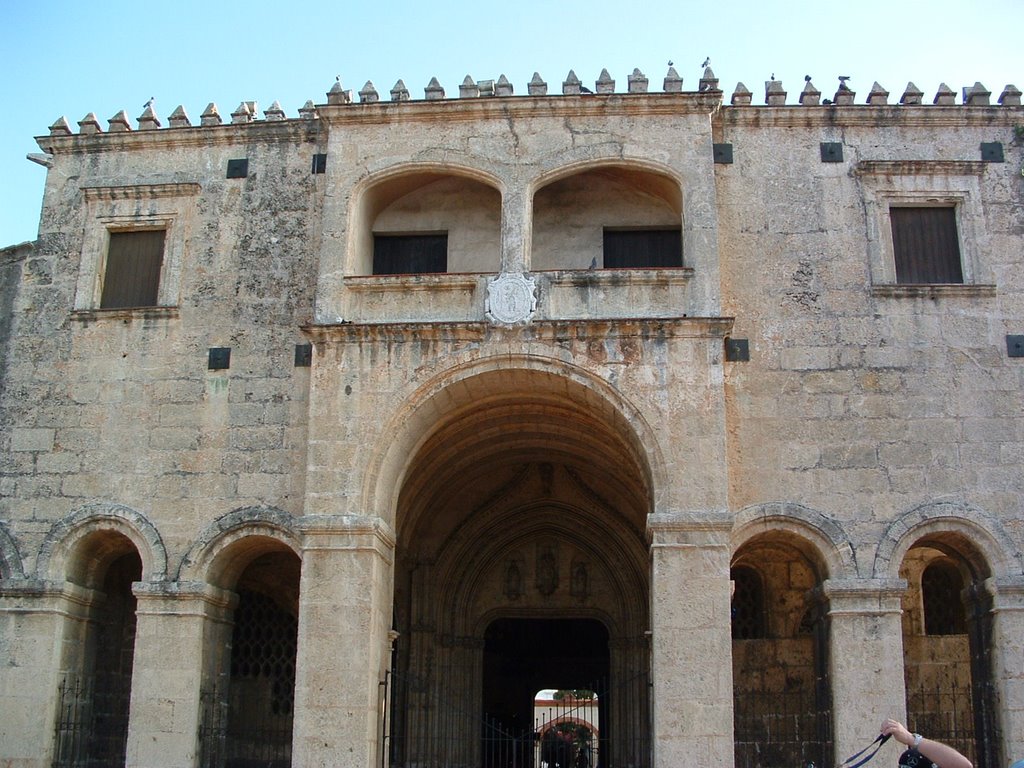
column 71, row 58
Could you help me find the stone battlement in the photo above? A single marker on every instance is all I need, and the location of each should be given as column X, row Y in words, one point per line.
column 637, row 83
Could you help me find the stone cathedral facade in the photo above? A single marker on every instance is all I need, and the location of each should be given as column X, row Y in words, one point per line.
column 336, row 439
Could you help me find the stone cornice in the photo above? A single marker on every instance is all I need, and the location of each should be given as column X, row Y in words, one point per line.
column 270, row 131
column 172, row 597
column 505, row 107
column 690, row 528
column 140, row 191
column 920, row 168
column 318, row 530
column 1007, row 592
column 933, row 291
column 867, row 116
column 537, row 330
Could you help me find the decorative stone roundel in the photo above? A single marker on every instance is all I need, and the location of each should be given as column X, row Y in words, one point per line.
column 511, row 299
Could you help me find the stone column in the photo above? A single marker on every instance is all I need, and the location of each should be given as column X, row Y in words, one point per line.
column 516, row 229
column 691, row 659
column 865, row 658
column 1008, row 661
column 41, row 624
column 179, row 651
column 345, row 604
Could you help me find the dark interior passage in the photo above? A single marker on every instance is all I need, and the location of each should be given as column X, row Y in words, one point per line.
column 522, row 656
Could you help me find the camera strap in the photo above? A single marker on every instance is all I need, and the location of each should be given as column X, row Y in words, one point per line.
column 877, row 744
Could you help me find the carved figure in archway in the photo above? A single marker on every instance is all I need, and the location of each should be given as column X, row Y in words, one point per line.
column 513, row 581
column 580, row 585
column 547, row 571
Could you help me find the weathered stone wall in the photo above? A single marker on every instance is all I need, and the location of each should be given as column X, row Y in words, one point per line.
column 856, row 401
column 121, row 406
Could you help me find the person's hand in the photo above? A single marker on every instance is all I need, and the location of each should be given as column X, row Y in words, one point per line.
column 898, row 731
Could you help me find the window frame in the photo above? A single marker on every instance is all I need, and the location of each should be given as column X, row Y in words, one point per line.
column 921, row 184
column 111, row 210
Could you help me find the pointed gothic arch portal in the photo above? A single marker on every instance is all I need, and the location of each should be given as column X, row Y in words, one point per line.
column 522, row 564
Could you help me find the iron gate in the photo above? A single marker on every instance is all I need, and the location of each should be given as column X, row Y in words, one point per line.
column 92, row 725
column 445, row 732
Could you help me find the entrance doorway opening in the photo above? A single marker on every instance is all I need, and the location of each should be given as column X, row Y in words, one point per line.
column 523, row 656
column 566, row 658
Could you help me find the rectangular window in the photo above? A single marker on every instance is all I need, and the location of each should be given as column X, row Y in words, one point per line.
column 410, row 254
column 926, row 245
column 132, row 274
column 642, row 248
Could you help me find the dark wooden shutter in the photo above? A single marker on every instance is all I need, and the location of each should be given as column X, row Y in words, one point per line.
column 410, row 254
column 642, row 248
column 926, row 245
column 132, row 275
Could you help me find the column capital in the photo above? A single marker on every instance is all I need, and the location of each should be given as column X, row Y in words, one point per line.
column 42, row 596
column 183, row 598
column 862, row 596
column 347, row 532
column 704, row 528
column 1007, row 592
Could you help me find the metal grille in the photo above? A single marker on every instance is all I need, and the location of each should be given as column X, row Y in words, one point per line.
column 445, row 733
column 92, row 721
column 781, row 728
column 248, row 723
column 92, row 725
column 946, row 713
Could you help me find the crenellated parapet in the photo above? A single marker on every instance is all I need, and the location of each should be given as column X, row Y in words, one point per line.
column 637, row 84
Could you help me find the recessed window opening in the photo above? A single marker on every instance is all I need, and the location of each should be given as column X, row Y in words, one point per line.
column 646, row 248
column 926, row 245
column 748, row 605
column 941, row 588
column 131, row 277
column 409, row 254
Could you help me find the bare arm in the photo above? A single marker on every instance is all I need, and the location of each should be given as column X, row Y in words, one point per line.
column 941, row 754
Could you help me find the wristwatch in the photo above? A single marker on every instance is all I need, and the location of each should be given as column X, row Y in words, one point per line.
column 917, row 741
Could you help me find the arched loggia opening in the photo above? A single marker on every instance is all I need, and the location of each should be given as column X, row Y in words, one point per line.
column 249, row 687
column 99, row 652
column 947, row 645
column 520, row 536
column 781, row 694
column 608, row 217
column 425, row 220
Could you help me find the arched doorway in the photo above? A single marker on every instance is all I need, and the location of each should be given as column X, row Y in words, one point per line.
column 523, row 656
column 521, row 565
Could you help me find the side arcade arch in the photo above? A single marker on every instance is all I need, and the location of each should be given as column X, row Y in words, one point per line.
column 97, row 553
column 61, row 555
column 782, row 698
column 11, row 566
column 253, row 557
column 946, row 553
column 989, row 548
